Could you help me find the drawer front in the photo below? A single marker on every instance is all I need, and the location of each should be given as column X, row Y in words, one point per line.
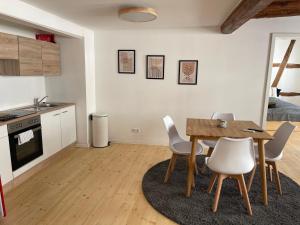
column 3, row 131
column 52, row 113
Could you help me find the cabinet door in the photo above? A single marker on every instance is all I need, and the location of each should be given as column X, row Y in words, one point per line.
column 30, row 56
column 5, row 165
column 68, row 126
column 8, row 46
column 51, row 59
column 9, row 55
column 51, row 132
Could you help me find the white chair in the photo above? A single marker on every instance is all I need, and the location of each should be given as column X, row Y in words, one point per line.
column 231, row 158
column 178, row 146
column 274, row 152
column 215, row 116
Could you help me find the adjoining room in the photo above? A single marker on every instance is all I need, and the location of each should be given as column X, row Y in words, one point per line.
column 284, row 96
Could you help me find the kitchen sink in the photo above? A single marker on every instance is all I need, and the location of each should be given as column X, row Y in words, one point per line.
column 42, row 107
column 34, row 109
column 47, row 105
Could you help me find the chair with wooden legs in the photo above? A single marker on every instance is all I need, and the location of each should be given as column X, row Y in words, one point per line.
column 178, row 146
column 216, row 115
column 231, row 158
column 273, row 153
column 210, row 143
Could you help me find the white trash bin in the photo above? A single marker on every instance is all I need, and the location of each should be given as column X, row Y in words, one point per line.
column 100, row 130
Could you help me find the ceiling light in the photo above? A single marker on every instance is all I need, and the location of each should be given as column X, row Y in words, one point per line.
column 137, row 14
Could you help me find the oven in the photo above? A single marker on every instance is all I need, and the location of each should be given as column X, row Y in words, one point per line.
column 22, row 153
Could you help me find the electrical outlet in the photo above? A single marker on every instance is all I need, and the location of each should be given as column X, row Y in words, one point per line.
column 136, row 130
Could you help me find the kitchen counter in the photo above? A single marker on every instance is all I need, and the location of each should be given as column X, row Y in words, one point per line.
column 55, row 131
column 56, row 107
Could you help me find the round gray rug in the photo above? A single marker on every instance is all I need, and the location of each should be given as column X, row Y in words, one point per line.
column 169, row 199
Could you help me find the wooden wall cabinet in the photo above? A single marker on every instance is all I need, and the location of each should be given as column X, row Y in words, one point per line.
column 51, row 59
column 30, row 57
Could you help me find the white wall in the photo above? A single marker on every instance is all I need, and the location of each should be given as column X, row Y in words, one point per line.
column 290, row 80
column 231, row 77
column 70, row 87
column 18, row 91
column 228, row 80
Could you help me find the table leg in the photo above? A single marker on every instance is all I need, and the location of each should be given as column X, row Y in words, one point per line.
column 261, row 152
column 192, row 159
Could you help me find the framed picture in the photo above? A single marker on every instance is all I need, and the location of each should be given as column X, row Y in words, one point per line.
column 188, row 70
column 155, row 66
column 126, row 61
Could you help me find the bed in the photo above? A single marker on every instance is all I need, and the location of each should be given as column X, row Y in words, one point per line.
column 280, row 110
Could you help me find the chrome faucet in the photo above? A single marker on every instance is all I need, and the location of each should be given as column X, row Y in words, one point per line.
column 37, row 102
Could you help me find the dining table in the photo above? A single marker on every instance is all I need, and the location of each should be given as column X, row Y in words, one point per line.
column 208, row 129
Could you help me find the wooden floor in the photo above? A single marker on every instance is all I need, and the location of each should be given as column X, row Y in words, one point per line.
column 101, row 187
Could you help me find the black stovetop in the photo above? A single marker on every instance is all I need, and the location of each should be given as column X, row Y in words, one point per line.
column 6, row 117
column 13, row 114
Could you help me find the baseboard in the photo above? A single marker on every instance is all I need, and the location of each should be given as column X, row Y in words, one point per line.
column 82, row 145
column 140, row 141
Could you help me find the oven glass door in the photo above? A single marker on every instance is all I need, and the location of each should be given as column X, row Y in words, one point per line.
column 24, row 153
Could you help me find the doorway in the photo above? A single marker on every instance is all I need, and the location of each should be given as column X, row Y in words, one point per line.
column 282, row 97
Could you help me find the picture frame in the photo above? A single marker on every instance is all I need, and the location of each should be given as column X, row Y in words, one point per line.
column 155, row 67
column 188, row 72
column 126, row 61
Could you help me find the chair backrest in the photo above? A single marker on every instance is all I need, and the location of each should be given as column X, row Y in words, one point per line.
column 223, row 116
column 233, row 156
column 281, row 137
column 171, row 129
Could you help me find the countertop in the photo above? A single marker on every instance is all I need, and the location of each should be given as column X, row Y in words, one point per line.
column 58, row 105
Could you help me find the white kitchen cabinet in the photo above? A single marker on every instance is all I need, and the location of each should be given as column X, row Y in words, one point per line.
column 5, row 161
column 58, row 130
column 68, row 126
column 51, row 132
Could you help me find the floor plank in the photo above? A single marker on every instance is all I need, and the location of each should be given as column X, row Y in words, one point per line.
column 101, row 186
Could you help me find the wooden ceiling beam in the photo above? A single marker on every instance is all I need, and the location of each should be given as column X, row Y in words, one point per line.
column 245, row 11
column 281, row 8
column 288, row 66
column 283, row 63
column 289, row 94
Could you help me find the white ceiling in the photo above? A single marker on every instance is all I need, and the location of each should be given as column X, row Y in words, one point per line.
column 103, row 14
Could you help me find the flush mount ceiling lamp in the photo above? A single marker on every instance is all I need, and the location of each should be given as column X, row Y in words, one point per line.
column 137, row 14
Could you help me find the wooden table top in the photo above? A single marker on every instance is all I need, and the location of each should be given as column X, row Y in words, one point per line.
column 207, row 129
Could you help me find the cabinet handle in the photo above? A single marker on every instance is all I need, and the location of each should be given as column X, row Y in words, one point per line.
column 57, row 114
column 64, row 111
